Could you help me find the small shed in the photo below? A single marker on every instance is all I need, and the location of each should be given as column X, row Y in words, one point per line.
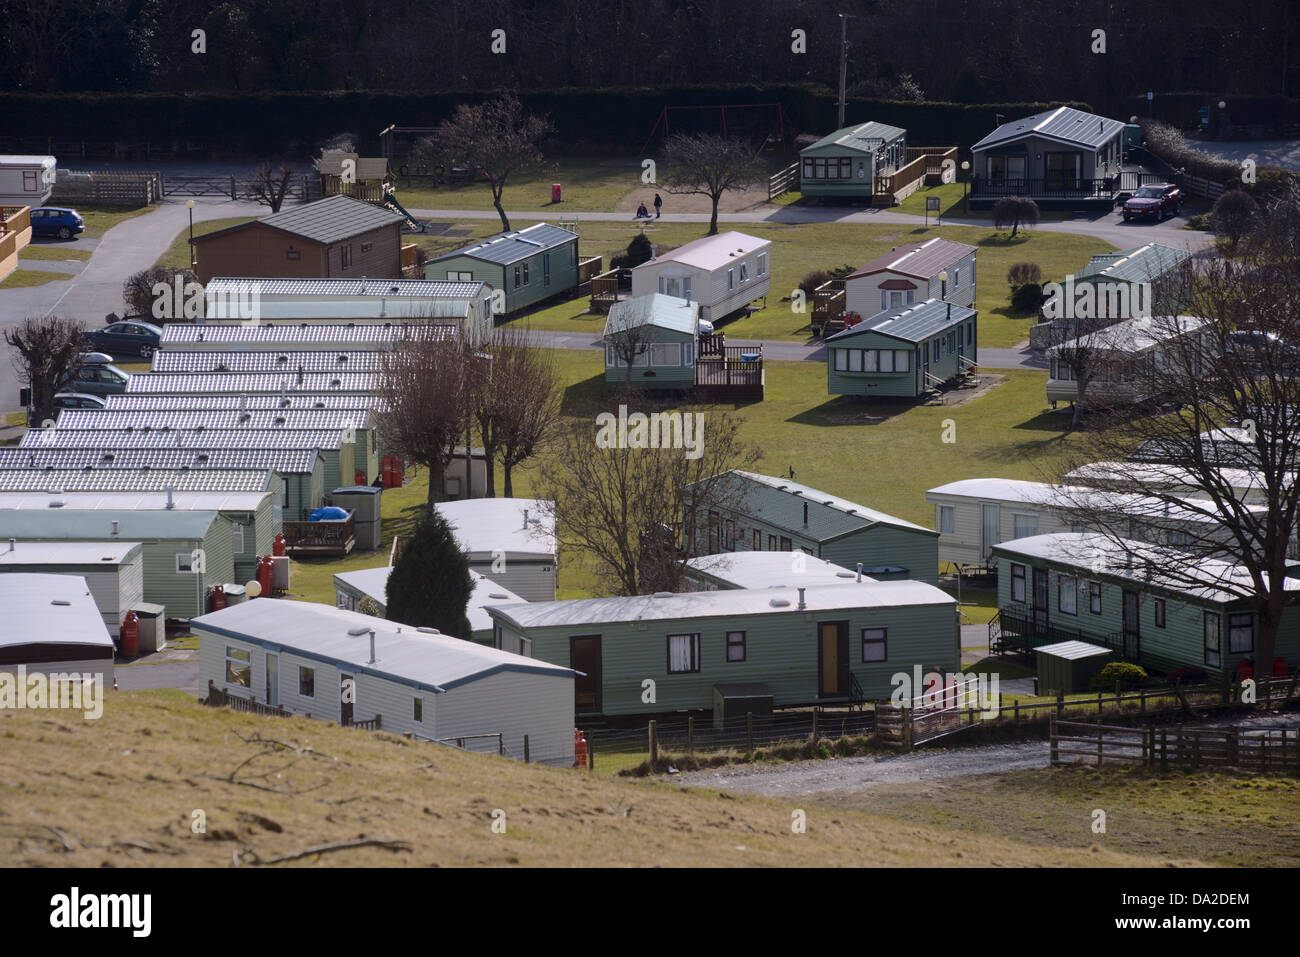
column 364, row 177
column 52, row 625
column 905, row 352
column 365, row 503
column 845, row 163
column 26, row 180
column 723, row 273
column 526, row 265
column 650, row 344
column 735, row 700
column 1069, row 665
column 113, row 571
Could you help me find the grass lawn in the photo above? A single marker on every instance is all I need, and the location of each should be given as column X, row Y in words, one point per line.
column 588, row 184
column 799, row 249
column 177, row 255
column 32, row 277
column 100, row 219
column 950, row 204
column 60, row 252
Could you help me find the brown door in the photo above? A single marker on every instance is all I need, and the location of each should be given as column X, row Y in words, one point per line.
column 832, row 658
column 584, row 657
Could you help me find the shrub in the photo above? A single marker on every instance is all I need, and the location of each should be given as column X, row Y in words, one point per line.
column 1121, row 673
column 638, row 251
column 1027, row 298
column 1015, row 211
column 1233, row 215
column 814, row 279
column 137, row 291
column 1022, row 273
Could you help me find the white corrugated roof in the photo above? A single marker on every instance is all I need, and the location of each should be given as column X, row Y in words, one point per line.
column 1133, row 335
column 107, row 554
column 31, row 615
column 374, row 582
column 725, row 603
column 401, row 652
column 134, row 501
column 492, row 524
column 711, row 252
column 772, row 569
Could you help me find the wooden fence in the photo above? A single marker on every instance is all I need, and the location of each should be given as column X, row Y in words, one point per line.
column 15, row 226
column 782, row 182
column 217, row 698
column 934, row 157
column 1199, row 186
column 109, row 188
column 587, row 270
column 1262, row 750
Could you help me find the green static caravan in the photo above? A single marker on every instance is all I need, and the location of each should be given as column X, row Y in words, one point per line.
column 300, row 656
column 845, row 163
column 828, row 644
column 510, row 540
column 297, row 475
column 337, row 454
column 905, row 352
column 526, row 265
column 250, row 518
column 762, row 513
column 351, row 587
column 762, row 570
column 1079, row 586
column 650, row 344
column 168, row 541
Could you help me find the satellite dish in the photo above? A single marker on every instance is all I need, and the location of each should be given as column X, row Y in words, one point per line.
column 253, row 589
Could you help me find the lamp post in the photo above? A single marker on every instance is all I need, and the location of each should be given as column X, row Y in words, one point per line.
column 943, row 284
column 189, row 204
column 965, row 185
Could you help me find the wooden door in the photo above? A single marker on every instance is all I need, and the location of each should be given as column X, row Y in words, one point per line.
column 585, row 658
column 832, row 659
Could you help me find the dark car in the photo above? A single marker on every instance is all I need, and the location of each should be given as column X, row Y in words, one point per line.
column 1154, row 201
column 68, row 400
column 127, row 339
column 57, row 221
column 1258, row 351
column 96, row 379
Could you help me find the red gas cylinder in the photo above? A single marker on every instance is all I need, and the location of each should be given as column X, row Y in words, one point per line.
column 851, row 319
column 265, row 568
column 277, row 546
column 218, row 598
column 579, row 749
column 130, row 636
column 360, row 478
column 386, row 471
column 399, row 477
column 1245, row 670
column 1279, row 667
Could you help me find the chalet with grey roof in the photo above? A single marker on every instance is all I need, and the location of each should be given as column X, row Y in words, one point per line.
column 905, row 352
column 526, row 266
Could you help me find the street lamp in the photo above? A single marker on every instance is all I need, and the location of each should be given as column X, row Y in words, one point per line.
column 943, row 284
column 189, row 204
column 965, row 184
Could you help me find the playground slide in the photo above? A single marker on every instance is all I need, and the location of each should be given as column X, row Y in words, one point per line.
column 391, row 202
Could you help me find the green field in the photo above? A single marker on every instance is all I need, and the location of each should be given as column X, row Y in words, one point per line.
column 588, row 185
column 32, row 277
column 59, row 253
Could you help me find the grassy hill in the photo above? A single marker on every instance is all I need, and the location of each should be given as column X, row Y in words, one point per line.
column 123, row 790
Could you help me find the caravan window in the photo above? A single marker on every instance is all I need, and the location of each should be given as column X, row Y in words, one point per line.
column 875, row 644
column 762, row 264
column 239, row 667
column 731, row 279
column 306, row 682
column 1094, row 598
column 1067, row 594
column 1018, row 583
column 945, row 519
column 1241, row 633
column 665, row 353
column 1025, row 525
column 1211, row 631
column 683, row 654
column 744, row 272
column 735, row 646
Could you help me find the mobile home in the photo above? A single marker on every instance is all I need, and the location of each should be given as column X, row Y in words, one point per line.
column 650, row 344
column 526, row 266
column 510, row 540
column 299, row 655
column 113, row 572
column 930, row 269
column 1121, row 359
column 53, row 627
column 26, row 180
column 905, row 352
column 763, row 570
column 269, row 336
column 844, row 164
column 351, row 587
column 722, row 273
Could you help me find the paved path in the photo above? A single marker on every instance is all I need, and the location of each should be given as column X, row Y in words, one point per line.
column 180, row 675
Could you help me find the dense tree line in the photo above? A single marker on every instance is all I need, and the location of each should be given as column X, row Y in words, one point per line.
column 962, row 50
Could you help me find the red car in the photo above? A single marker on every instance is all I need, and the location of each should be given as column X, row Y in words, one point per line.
column 1154, row 201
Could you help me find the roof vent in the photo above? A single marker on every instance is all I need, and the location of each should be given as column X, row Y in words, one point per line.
column 57, row 503
column 802, row 604
column 336, row 383
column 780, row 602
column 60, row 601
column 497, row 594
column 425, row 630
column 844, row 574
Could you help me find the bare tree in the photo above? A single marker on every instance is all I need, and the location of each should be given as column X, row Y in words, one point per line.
column 427, row 384
column 270, row 185
column 44, row 351
column 138, row 292
column 517, row 402
column 1015, row 211
column 709, row 165
column 495, row 138
column 628, row 343
column 1077, row 350
column 633, row 511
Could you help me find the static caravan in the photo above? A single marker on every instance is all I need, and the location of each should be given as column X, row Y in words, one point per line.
column 297, row 655
column 769, row 514
column 26, row 180
column 906, row 352
column 53, row 627
column 510, row 540
column 723, row 273
column 248, row 517
column 291, row 363
column 816, row 644
column 174, row 576
column 930, row 269
column 1246, row 485
column 1230, row 446
column 845, row 164
column 1085, row 587
column 650, row 344
column 112, row 571
column 1122, row 360
column 317, row 335
column 526, row 265
column 763, row 570
column 453, row 477
column 290, row 401
column 252, row 383
column 351, row 587
column 136, row 480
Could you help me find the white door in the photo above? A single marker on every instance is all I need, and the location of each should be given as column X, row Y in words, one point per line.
column 272, row 679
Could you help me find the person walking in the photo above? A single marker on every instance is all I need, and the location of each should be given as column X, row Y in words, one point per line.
column 659, row 204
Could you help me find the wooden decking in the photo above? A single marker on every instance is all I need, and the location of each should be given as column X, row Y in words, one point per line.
column 828, row 308
column 328, row 538
column 607, row 289
column 728, row 372
column 15, row 233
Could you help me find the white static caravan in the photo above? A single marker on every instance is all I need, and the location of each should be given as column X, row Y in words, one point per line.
column 297, row 655
column 26, row 180
column 910, row 274
column 723, row 273
column 750, row 569
column 1116, row 355
column 53, row 625
column 1247, row 485
column 372, row 583
column 510, row 540
column 113, row 571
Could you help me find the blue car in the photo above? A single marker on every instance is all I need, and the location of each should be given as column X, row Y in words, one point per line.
column 57, row 221
column 130, row 338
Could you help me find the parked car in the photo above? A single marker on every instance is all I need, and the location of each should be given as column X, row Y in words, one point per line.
column 94, row 358
column 96, row 379
column 57, row 221
column 1257, row 351
column 1154, row 201
column 67, row 400
column 127, row 338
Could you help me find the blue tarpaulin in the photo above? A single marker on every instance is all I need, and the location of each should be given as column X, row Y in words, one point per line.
column 326, row 513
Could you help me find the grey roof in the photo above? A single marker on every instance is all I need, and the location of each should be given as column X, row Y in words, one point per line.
column 61, row 524
column 512, row 246
column 309, row 335
column 1072, row 650
column 921, row 260
column 32, row 615
column 184, row 439
column 286, row 363
column 1139, row 264
column 1063, row 124
column 143, row 480
column 293, row 401
column 655, row 309
column 863, row 138
column 374, row 583
column 134, row 499
column 199, row 383
column 432, row 661
column 327, row 220
column 98, row 554
column 284, row 461
column 361, row 287
column 1133, row 336
column 751, row 569
column 488, row 525
column 89, row 420
column 914, row 323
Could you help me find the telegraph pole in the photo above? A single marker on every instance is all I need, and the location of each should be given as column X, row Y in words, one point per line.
column 844, row 58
